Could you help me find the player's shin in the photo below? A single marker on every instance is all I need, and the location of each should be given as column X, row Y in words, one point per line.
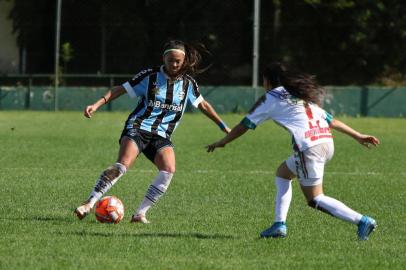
column 106, row 180
column 283, row 198
column 335, row 208
column 155, row 191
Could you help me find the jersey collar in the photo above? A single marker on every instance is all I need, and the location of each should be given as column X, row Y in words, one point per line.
column 179, row 78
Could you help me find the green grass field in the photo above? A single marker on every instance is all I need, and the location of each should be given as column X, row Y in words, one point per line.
column 212, row 214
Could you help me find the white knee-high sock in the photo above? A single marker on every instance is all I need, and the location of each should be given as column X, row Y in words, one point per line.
column 155, row 191
column 336, row 209
column 283, row 198
column 106, row 180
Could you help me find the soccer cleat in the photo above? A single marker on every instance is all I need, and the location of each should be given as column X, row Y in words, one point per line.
column 278, row 229
column 365, row 227
column 82, row 211
column 138, row 218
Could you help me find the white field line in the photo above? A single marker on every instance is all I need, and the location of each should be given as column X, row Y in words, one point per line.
column 263, row 172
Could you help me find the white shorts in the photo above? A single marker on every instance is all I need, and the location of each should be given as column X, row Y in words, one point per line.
column 309, row 164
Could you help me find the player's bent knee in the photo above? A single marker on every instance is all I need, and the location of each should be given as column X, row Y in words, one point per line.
column 126, row 164
column 284, row 172
column 312, row 203
column 169, row 169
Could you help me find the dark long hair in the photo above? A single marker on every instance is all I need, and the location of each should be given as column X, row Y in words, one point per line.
column 300, row 85
column 193, row 56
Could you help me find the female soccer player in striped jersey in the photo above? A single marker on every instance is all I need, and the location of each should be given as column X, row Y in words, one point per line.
column 293, row 101
column 163, row 93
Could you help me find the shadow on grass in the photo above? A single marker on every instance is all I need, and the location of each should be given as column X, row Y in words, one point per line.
column 157, row 234
column 42, row 219
column 84, row 233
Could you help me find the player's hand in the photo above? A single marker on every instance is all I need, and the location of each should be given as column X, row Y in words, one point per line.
column 368, row 140
column 89, row 110
column 211, row 147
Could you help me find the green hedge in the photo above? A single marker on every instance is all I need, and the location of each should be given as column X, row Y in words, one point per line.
column 350, row 100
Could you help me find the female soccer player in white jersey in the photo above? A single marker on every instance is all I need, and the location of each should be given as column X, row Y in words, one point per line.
column 163, row 93
column 293, row 101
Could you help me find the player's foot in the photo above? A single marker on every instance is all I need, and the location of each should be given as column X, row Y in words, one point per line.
column 138, row 218
column 365, row 227
column 278, row 229
column 83, row 210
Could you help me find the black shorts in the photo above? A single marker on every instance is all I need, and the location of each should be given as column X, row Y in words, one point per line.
column 148, row 143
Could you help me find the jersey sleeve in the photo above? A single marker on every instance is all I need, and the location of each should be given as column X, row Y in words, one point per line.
column 138, row 85
column 329, row 117
column 194, row 96
column 261, row 111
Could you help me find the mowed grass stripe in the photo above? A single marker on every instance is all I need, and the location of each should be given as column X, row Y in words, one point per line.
column 136, row 171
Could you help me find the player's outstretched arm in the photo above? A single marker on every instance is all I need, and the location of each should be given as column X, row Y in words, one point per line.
column 209, row 111
column 236, row 132
column 112, row 94
column 363, row 139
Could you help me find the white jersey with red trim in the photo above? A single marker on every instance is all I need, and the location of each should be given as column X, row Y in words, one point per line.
column 307, row 122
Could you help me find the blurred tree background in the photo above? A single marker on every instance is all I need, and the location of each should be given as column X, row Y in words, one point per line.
column 342, row 41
